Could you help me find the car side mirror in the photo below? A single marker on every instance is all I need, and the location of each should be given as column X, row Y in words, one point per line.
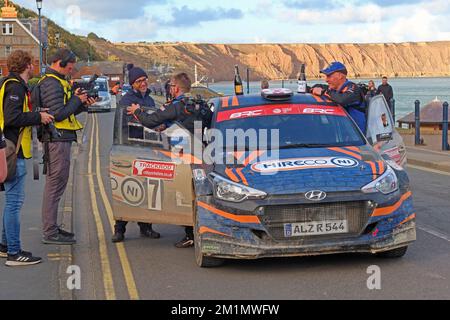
column 385, row 136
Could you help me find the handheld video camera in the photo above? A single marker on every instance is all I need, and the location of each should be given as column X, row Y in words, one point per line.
column 87, row 86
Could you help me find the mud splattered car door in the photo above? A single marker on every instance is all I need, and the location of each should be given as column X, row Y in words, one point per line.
column 151, row 181
column 381, row 131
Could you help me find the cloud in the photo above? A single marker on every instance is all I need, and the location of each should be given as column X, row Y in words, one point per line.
column 187, row 17
column 99, row 11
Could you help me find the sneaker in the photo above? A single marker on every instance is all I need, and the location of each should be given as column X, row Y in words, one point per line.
column 148, row 232
column 59, row 239
column 186, row 242
column 3, row 251
column 118, row 237
column 23, row 258
column 66, row 233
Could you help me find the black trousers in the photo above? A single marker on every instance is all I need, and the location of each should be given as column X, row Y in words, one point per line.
column 121, row 226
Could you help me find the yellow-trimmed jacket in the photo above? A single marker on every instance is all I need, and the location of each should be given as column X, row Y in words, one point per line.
column 26, row 138
column 71, row 123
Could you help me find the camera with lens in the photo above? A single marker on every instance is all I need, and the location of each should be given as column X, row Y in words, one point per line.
column 88, row 87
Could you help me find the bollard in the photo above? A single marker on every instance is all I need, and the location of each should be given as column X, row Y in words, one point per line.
column 392, row 105
column 417, row 103
column 445, row 127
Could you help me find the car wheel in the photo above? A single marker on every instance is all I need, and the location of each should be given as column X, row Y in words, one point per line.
column 391, row 254
column 202, row 260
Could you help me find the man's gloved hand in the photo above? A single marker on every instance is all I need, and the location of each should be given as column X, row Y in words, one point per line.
column 131, row 110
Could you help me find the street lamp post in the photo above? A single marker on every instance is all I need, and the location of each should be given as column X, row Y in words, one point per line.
column 39, row 7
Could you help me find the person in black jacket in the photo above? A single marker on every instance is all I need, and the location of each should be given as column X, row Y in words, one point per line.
column 386, row 90
column 3, row 168
column 56, row 96
column 175, row 111
column 17, row 121
column 140, row 94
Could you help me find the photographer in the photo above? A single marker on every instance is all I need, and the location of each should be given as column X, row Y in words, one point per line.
column 56, row 96
column 3, row 168
column 16, row 120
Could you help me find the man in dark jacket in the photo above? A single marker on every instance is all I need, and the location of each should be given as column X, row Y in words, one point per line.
column 140, row 94
column 386, row 90
column 16, row 119
column 56, row 96
column 175, row 111
column 344, row 92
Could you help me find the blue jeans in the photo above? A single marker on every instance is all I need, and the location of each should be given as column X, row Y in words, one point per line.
column 14, row 198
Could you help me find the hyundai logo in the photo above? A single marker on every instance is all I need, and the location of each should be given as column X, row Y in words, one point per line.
column 315, row 195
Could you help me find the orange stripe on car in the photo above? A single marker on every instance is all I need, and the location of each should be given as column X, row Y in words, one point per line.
column 253, row 156
column 411, row 217
column 234, row 217
column 117, row 173
column 229, row 172
column 354, row 149
column 204, row 230
column 388, row 210
column 349, row 153
column 235, row 102
column 225, row 102
column 317, row 98
column 381, row 167
column 238, row 155
column 242, row 176
column 374, row 169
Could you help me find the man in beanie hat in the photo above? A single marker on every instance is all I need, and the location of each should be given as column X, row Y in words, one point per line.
column 140, row 94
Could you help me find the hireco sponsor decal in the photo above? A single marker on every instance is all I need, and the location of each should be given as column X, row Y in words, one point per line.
column 304, row 163
column 154, row 169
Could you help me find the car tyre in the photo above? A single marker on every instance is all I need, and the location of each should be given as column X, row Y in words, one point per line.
column 202, row 260
column 392, row 254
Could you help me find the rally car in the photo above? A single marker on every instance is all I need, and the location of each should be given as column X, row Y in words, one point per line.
column 312, row 184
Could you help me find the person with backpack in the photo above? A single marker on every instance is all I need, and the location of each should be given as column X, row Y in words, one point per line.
column 3, row 168
column 344, row 92
column 54, row 93
column 16, row 120
column 182, row 110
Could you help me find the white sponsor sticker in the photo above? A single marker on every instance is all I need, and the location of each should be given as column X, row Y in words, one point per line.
column 304, row 163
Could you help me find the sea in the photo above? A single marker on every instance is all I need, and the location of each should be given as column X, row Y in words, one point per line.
column 406, row 90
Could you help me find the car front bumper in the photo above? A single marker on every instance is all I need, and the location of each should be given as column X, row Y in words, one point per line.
column 239, row 236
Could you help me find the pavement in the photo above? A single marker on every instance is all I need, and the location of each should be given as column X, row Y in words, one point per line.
column 154, row 269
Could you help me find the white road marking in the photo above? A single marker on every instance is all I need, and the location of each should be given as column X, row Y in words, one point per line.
column 434, row 232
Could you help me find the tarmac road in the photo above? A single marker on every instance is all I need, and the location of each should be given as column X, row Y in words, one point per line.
column 155, row 269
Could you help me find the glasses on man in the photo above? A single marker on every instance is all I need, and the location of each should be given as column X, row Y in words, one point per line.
column 139, row 81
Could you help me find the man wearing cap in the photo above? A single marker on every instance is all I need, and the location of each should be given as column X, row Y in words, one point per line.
column 139, row 95
column 344, row 92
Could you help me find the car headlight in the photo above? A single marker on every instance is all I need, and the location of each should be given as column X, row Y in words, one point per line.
column 385, row 184
column 230, row 191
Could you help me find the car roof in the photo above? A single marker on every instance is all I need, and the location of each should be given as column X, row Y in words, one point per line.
column 237, row 102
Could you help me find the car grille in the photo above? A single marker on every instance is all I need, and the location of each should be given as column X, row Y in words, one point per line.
column 356, row 213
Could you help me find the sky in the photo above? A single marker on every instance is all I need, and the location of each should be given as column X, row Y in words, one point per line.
column 253, row 21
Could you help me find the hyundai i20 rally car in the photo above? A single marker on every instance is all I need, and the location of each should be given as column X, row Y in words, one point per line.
column 312, row 184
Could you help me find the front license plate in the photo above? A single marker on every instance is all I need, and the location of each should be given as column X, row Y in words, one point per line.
column 315, row 228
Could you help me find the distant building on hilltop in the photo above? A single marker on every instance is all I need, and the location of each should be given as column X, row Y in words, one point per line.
column 20, row 34
column 430, row 117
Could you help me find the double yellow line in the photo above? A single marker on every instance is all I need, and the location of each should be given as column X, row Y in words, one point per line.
column 104, row 258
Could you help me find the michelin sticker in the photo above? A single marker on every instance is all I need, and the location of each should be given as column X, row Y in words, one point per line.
column 304, row 163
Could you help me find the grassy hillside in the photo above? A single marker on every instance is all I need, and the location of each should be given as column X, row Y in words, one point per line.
column 79, row 45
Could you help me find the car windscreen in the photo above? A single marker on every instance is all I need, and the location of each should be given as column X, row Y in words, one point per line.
column 101, row 85
column 297, row 125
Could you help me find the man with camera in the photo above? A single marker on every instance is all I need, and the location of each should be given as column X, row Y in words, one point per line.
column 182, row 110
column 16, row 120
column 55, row 94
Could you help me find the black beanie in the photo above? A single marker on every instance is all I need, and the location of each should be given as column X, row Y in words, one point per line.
column 135, row 73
